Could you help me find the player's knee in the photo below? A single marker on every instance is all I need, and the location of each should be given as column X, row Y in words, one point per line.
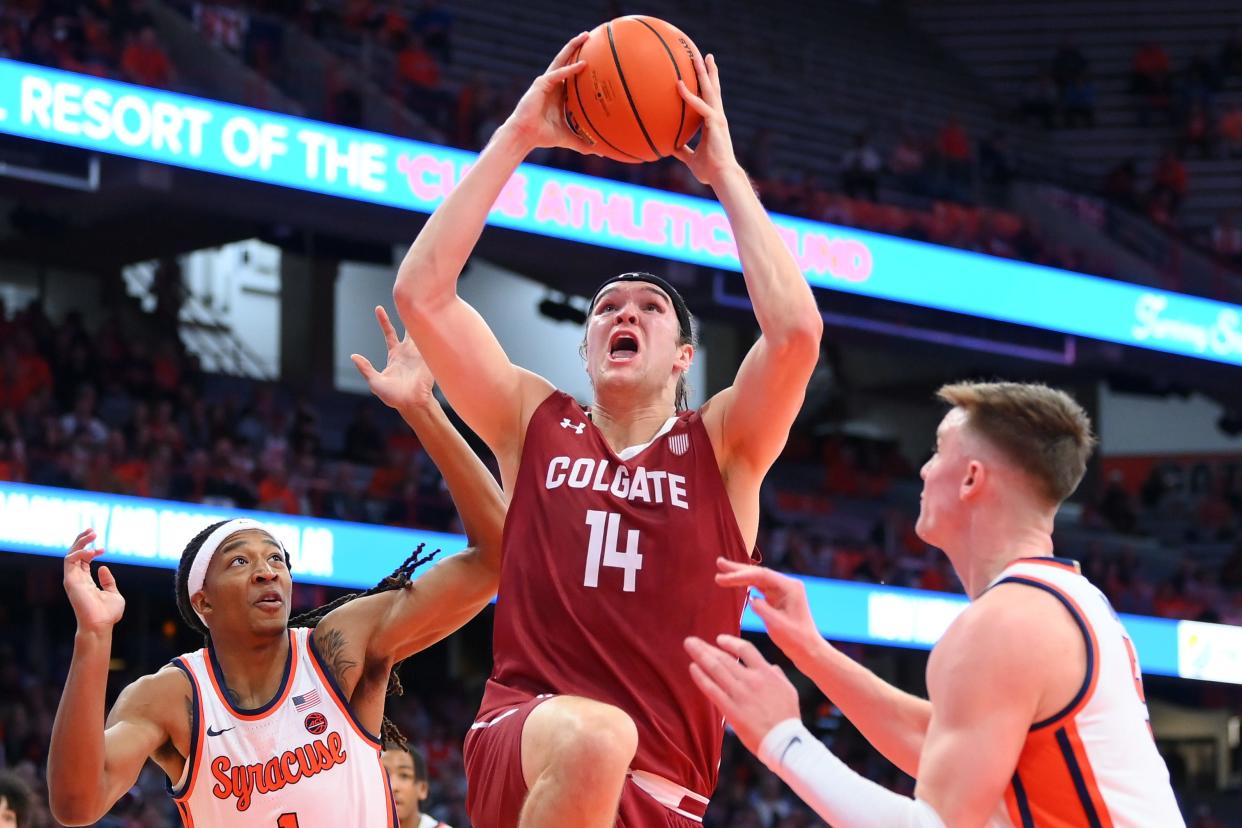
column 595, row 738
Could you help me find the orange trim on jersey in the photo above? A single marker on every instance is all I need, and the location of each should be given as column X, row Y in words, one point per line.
column 392, row 802
column 1051, row 795
column 183, row 810
column 197, row 736
column 335, row 694
column 271, row 706
column 1088, row 774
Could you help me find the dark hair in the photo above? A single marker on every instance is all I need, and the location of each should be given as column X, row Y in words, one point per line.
column 687, row 326
column 1040, row 429
column 398, row 579
column 416, row 756
column 17, row 796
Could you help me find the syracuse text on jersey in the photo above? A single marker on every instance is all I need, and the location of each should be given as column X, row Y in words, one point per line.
column 598, row 475
column 241, row 781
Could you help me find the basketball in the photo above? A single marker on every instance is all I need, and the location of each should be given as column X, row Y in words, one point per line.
column 625, row 103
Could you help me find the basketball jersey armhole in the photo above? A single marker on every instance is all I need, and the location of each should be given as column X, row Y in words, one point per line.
column 1081, row 697
column 181, row 790
column 334, row 690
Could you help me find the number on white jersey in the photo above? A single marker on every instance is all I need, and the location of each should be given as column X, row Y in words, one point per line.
column 602, row 549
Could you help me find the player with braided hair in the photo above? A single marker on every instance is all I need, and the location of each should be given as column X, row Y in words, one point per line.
column 274, row 722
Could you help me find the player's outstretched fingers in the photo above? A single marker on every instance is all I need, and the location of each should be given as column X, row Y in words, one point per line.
column 390, row 333
column 364, row 367
column 737, row 574
column 718, row 665
column 743, row 649
column 106, row 581
column 562, row 57
column 711, row 689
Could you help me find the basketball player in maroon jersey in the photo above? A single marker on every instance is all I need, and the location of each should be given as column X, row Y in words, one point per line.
column 616, row 512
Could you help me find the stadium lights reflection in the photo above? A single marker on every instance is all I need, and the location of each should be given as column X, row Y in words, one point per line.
column 41, row 520
column 196, row 133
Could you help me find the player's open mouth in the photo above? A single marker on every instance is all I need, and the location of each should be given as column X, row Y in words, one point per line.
column 270, row 600
column 622, row 347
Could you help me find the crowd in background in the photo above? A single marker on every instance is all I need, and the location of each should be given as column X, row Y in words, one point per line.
column 115, row 411
column 1185, row 99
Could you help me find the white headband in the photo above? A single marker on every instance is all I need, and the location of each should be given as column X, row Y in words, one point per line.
column 202, row 558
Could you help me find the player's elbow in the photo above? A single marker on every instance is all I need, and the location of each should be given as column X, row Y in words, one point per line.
column 73, row 809
column 799, row 338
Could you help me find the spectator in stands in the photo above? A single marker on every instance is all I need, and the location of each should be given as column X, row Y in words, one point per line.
column 418, row 79
column 1150, row 80
column 955, row 156
column 1229, row 130
column 1227, row 237
column 16, row 802
column 364, row 444
column 1197, row 132
column 860, row 169
column 1170, row 181
column 1069, row 65
column 1199, row 84
column 1078, row 102
column 1040, row 100
column 908, row 162
column 144, row 60
column 434, row 24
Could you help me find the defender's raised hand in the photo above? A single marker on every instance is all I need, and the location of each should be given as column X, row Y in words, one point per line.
column 406, row 381
column 97, row 607
column 784, row 607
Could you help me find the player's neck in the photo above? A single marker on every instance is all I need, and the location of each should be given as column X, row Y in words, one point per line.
column 624, row 423
column 998, row 536
column 252, row 669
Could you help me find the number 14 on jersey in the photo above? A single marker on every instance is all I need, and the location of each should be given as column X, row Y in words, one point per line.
column 602, row 549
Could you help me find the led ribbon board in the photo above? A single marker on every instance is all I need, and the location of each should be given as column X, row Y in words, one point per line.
column 153, row 125
column 41, row 520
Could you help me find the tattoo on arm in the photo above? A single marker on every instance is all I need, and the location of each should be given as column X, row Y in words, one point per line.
column 331, row 646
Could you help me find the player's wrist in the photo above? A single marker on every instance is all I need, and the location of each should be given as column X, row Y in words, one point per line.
column 93, row 638
column 515, row 138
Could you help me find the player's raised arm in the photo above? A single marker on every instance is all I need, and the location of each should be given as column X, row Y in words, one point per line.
column 402, row 622
column 755, row 414
column 90, row 768
column 492, row 395
column 893, row 721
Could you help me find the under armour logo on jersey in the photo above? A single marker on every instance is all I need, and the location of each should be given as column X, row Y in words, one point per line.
column 679, row 444
column 577, row 427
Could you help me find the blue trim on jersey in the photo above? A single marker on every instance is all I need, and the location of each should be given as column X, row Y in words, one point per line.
column 1024, row 804
column 1080, row 784
column 1037, row 558
column 1086, row 637
column 224, row 697
column 195, row 724
column 336, row 691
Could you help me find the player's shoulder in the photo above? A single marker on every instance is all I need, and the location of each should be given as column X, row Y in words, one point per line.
column 160, row 697
column 1013, row 622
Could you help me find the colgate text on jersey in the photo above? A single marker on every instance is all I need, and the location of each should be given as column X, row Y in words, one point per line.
column 648, row 486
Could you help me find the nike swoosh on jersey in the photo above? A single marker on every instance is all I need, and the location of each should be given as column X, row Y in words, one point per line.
column 211, row 732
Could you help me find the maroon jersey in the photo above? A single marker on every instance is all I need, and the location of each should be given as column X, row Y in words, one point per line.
column 608, row 565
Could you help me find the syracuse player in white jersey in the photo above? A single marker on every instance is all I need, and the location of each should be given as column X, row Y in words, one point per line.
column 267, row 726
column 1036, row 714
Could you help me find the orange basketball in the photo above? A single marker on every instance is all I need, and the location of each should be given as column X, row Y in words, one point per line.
column 625, row 103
